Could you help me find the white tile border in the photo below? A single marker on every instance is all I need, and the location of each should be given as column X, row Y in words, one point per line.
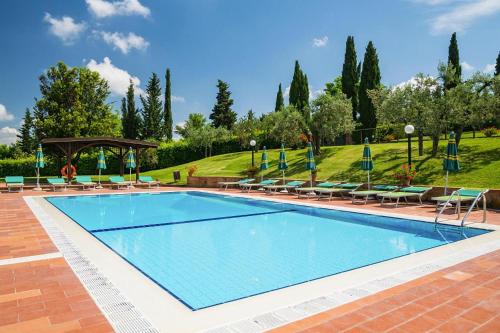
column 361, row 285
column 18, row 260
column 120, row 313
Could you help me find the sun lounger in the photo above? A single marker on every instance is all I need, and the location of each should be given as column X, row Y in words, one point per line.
column 405, row 193
column 57, row 183
column 310, row 191
column 118, row 181
column 14, row 183
column 466, row 196
column 342, row 189
column 225, row 185
column 149, row 180
column 85, row 182
column 364, row 195
column 284, row 187
column 249, row 186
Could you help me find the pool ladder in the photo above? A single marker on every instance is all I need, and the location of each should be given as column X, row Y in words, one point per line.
column 464, row 222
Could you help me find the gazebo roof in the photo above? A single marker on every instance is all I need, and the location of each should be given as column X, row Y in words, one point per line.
column 100, row 141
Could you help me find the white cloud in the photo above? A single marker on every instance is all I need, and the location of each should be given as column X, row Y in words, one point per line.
column 8, row 135
column 103, row 8
column 123, row 42
column 463, row 15
column 287, row 92
column 65, row 28
column 118, row 79
column 489, row 68
column 320, row 42
column 4, row 114
column 315, row 93
column 178, row 99
column 434, row 2
column 412, row 82
column 467, row 67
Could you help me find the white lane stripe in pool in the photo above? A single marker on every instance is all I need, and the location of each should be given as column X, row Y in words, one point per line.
column 38, row 257
column 119, row 312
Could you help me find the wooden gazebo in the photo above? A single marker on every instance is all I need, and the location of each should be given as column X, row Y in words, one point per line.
column 119, row 146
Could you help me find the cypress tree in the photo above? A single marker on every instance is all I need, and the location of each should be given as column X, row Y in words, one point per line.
column 26, row 140
column 454, row 61
column 152, row 109
column 280, row 103
column 350, row 74
column 370, row 79
column 299, row 91
column 222, row 115
column 131, row 120
column 497, row 66
column 167, row 110
column 125, row 119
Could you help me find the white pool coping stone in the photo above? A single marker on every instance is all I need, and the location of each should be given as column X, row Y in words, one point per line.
column 133, row 303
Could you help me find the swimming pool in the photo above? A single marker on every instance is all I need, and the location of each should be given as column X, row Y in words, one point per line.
column 206, row 249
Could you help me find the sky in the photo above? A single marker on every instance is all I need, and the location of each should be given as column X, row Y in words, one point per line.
column 252, row 45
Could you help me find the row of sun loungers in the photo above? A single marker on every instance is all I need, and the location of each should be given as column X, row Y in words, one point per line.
column 16, row 183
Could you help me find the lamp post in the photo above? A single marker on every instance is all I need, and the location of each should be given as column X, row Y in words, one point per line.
column 252, row 144
column 409, row 129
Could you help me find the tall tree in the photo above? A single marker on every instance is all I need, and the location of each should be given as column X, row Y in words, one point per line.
column 152, row 109
column 280, row 103
column 497, row 66
column 299, row 92
column 454, row 62
column 26, row 140
column 370, row 79
column 167, row 110
column 131, row 119
column 222, row 115
column 350, row 75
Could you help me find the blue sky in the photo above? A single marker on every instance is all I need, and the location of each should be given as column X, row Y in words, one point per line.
column 250, row 44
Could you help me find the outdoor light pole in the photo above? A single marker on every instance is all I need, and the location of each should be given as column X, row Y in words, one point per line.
column 252, row 143
column 409, row 129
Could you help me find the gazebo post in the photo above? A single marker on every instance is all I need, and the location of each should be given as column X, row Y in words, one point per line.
column 68, row 162
column 120, row 158
column 138, row 163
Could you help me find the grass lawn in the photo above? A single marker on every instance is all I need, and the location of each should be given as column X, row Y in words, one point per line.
column 479, row 160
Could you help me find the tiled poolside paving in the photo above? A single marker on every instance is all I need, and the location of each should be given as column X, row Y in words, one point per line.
column 39, row 292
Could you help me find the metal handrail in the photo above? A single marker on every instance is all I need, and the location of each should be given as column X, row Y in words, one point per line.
column 446, row 205
column 474, row 203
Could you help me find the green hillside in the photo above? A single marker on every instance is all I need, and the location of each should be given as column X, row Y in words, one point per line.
column 479, row 158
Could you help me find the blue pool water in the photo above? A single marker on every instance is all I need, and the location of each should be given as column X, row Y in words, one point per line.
column 206, row 249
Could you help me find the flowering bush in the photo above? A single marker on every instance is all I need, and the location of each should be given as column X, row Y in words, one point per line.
column 405, row 175
column 303, row 138
column 191, row 170
column 490, row 131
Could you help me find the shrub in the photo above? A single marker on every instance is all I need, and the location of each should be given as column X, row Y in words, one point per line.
column 191, row 170
column 389, row 138
column 490, row 131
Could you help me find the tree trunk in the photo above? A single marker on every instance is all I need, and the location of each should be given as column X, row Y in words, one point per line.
column 473, row 133
column 420, row 143
column 435, row 144
column 458, row 134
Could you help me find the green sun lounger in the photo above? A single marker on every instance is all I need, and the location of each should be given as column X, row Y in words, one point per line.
column 249, row 186
column 284, row 187
column 364, row 195
column 15, row 183
column 57, row 183
column 118, row 181
column 85, row 182
column 310, row 191
column 149, row 180
column 342, row 189
column 225, row 185
column 463, row 195
column 405, row 193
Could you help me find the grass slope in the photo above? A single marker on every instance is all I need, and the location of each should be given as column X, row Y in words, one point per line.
column 479, row 158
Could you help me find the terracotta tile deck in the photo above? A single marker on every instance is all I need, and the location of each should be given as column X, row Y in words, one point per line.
column 46, row 296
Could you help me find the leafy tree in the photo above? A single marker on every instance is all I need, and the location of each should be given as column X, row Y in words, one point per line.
column 280, row 102
column 334, row 88
column 167, row 110
column 152, row 114
column 370, row 79
column 454, row 62
column 497, row 66
column 73, row 103
column 26, row 140
column 350, row 75
column 204, row 137
column 131, row 119
column 246, row 128
column 299, row 92
column 331, row 117
column 194, row 121
column 285, row 126
column 222, row 114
